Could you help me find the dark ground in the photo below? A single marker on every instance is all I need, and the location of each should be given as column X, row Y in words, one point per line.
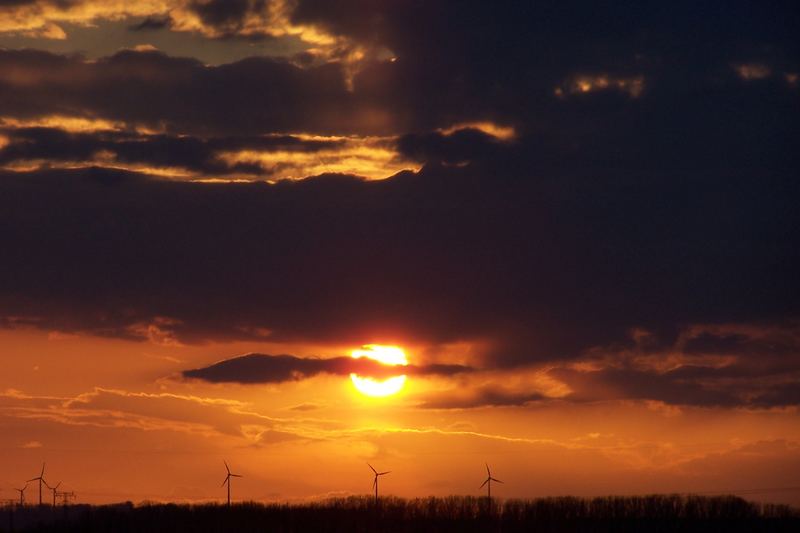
column 655, row 513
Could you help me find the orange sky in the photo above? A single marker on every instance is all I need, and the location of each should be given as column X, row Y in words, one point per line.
column 113, row 421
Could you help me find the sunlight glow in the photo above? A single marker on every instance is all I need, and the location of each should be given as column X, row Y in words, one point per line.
column 387, row 355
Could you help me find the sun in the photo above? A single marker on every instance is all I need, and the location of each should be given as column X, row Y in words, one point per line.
column 387, row 355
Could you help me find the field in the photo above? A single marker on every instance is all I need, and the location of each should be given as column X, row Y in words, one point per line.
column 463, row 514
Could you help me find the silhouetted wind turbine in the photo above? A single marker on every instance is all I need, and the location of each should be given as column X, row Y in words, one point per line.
column 375, row 481
column 22, row 494
column 488, row 482
column 41, row 480
column 228, row 481
column 54, row 489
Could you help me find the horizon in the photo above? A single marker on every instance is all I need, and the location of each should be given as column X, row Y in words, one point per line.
column 559, row 240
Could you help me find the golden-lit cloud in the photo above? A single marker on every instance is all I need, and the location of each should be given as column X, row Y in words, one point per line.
column 272, row 19
column 503, row 133
column 44, row 19
column 73, row 124
column 118, row 145
column 633, row 86
column 371, row 157
column 752, row 71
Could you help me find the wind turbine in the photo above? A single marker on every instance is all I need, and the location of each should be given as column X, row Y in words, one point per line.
column 22, row 494
column 54, row 489
column 228, row 481
column 375, row 481
column 41, row 480
column 488, row 483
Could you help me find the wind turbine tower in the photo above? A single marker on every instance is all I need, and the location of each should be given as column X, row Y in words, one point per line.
column 54, row 489
column 488, row 483
column 228, row 481
column 375, row 481
column 22, row 494
column 41, row 480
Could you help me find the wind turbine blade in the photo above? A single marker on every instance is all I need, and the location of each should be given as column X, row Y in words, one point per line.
column 226, row 480
column 59, row 484
column 42, row 474
column 369, row 465
column 382, row 473
column 34, row 479
column 226, row 467
column 483, row 484
column 235, row 475
column 488, row 472
column 496, row 480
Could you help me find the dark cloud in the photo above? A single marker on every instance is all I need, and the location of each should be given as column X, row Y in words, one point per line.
column 262, row 368
column 780, row 395
column 463, row 145
column 228, row 17
column 488, row 396
column 536, row 268
column 744, row 365
column 775, row 344
column 467, row 62
column 15, row 3
column 253, row 96
column 152, row 23
column 734, row 385
column 223, row 13
column 614, row 383
column 612, row 210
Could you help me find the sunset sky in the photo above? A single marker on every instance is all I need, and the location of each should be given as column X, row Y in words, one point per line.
column 577, row 225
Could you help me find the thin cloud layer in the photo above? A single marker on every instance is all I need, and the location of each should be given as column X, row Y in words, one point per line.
column 263, row 368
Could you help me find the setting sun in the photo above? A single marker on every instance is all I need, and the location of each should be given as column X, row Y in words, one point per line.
column 387, row 355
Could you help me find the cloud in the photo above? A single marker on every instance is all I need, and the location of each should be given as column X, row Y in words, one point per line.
column 536, row 228
column 252, row 19
column 262, row 368
column 153, row 90
column 181, row 413
column 459, row 146
column 45, row 18
column 152, row 23
column 487, row 396
column 752, row 71
column 582, row 84
column 533, row 269
column 730, row 365
column 69, row 142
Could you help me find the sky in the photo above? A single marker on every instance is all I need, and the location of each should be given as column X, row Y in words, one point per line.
column 576, row 225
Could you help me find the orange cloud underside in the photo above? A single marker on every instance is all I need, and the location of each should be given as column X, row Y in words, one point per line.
column 372, row 158
column 369, row 157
